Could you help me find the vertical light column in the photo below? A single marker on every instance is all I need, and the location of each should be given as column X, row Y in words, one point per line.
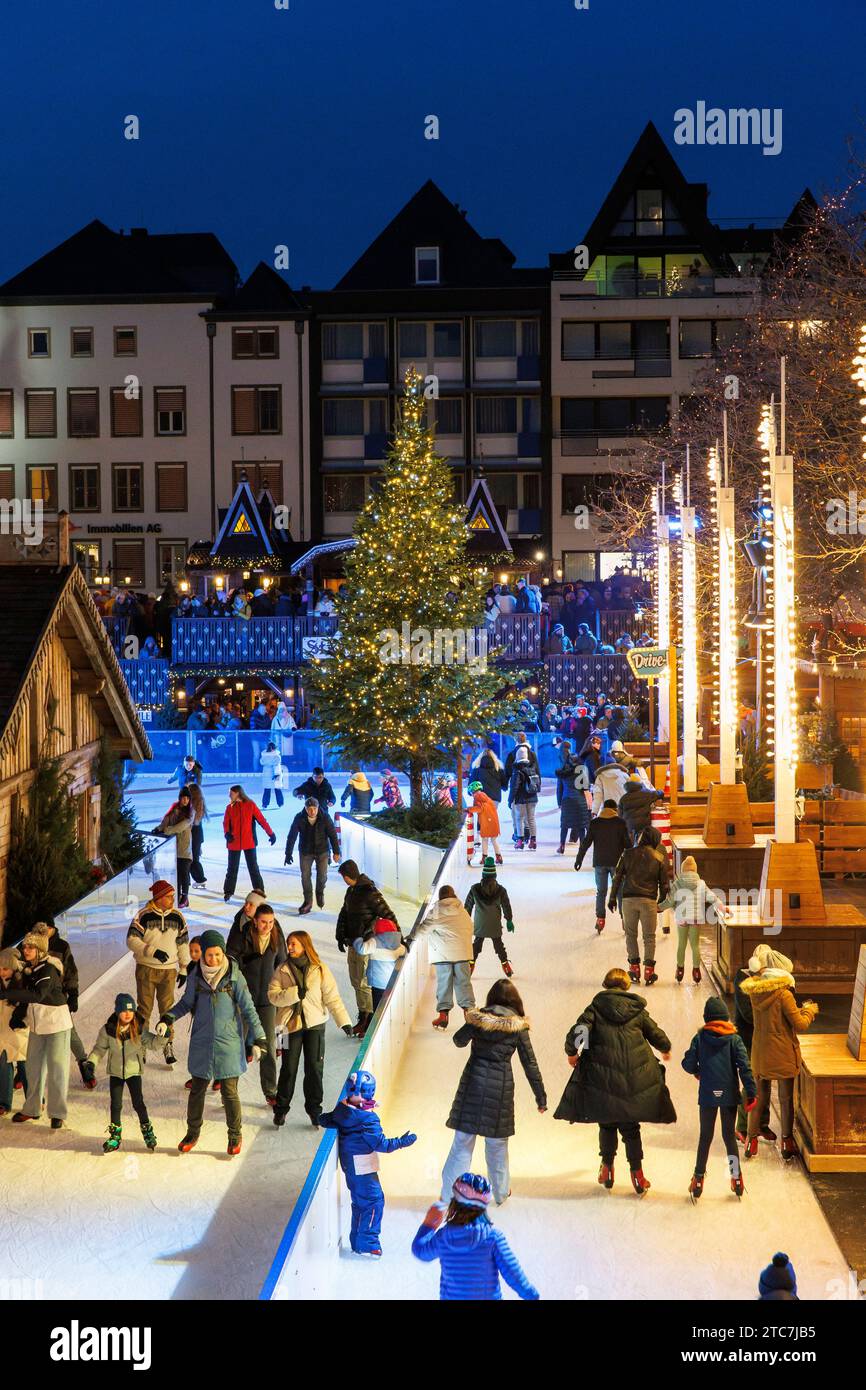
column 689, row 628
column 784, row 647
column 663, row 606
column 727, row 600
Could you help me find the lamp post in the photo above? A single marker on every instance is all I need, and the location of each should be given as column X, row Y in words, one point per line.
column 689, row 628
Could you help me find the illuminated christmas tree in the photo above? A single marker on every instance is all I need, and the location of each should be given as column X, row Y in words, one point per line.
column 409, row 679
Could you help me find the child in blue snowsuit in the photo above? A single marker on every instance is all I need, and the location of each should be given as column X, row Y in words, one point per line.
column 360, row 1141
column 471, row 1252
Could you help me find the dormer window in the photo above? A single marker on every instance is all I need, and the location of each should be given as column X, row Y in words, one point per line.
column 426, row 265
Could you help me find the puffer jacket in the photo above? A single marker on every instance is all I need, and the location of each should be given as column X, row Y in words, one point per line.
column 471, row 1259
column 573, row 806
column 383, row 950
column 488, row 771
column 239, row 824
column 508, row 769
column 690, row 898
column 448, row 928
column 610, row 782
column 618, row 1079
column 359, row 793
column 39, row 991
column 123, row 1057
column 490, row 906
column 151, row 930
column 775, row 1051
column 273, row 768
column 718, row 1058
column 609, row 839
column 60, row 954
column 359, row 1135
column 306, row 1005
column 222, row 1019
column 13, row 1041
column 484, row 1103
column 362, row 906
column 318, row 836
column 258, row 967
column 642, row 872
column 488, row 816
column 521, row 791
column 635, row 807
column 322, row 791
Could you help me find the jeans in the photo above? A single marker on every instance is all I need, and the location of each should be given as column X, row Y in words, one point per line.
column 526, row 829
column 321, row 863
column 459, row 1161
column 310, row 1042
column 266, row 796
column 230, row 1099
column 607, row 1143
column 603, row 879
column 498, row 946
column 183, row 867
column 708, row 1126
column 515, row 820
column 196, row 868
column 786, row 1105
column 115, row 1091
column 691, row 933
column 368, row 1207
column 47, row 1073
column 268, row 1061
column 358, row 980
column 645, row 912
column 232, row 871
column 150, row 982
column 453, row 976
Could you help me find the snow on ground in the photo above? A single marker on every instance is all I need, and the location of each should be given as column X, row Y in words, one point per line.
column 168, row 1225
column 574, row 1239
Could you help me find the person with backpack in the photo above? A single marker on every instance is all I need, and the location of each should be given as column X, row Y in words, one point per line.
column 523, row 793
column 239, row 826
column 616, row 1081
column 717, row 1057
column 508, row 772
column 635, row 806
column 641, row 882
column 611, row 780
column 572, row 786
column 490, row 906
column 608, row 839
column 362, row 907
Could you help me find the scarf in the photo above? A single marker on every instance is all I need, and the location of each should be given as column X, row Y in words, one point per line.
column 262, row 941
column 213, row 973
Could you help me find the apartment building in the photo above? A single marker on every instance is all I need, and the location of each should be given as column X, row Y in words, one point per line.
column 431, row 291
column 136, row 379
column 658, row 290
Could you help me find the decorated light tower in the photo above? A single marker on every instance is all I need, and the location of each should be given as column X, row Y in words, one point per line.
column 784, row 634
column 663, row 595
column 726, row 616
column 689, row 629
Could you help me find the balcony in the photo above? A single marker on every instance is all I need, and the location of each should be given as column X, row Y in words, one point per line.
column 147, row 681
column 234, row 643
column 629, row 286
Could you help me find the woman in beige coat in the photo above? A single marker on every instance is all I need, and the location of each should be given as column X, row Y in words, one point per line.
column 775, row 1052
column 305, row 992
column 13, row 1041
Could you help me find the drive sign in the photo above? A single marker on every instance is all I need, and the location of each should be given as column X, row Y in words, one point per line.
column 649, row 663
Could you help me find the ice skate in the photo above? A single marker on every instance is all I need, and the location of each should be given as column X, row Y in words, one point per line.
column 634, row 971
column 599, row 924
column 188, row 1142
column 640, row 1184
column 738, row 1187
column 751, row 1148
column 696, row 1187
column 508, row 968
column 441, row 1020
column 88, row 1074
column 696, row 974
column 789, row 1148
column 681, row 970
column 649, row 974
column 234, row 1145
column 112, row 1143
column 148, row 1136
column 605, row 1175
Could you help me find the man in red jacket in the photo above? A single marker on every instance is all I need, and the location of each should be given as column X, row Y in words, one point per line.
column 239, row 824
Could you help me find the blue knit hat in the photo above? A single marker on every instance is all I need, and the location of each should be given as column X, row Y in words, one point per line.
column 124, row 1004
column 778, row 1277
column 212, row 939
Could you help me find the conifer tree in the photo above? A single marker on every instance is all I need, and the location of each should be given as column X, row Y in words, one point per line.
column 47, row 869
column 408, row 677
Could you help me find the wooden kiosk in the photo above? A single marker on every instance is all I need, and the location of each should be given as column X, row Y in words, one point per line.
column 830, row 1100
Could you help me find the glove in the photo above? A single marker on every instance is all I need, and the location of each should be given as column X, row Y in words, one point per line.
column 256, row 1051
column 181, row 979
column 407, row 1139
column 341, row 946
column 289, row 859
column 750, row 1104
column 273, row 839
column 348, row 1030
column 161, row 956
column 161, row 1029
column 72, row 1003
column 611, row 907
column 509, row 926
column 228, row 837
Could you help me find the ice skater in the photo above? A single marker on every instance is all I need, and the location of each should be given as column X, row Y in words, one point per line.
column 123, row 1041
column 690, row 899
column 360, row 1141
column 471, row 1252
column 490, row 906
column 717, row 1056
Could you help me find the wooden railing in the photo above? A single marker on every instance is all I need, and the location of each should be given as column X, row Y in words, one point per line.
column 570, row 676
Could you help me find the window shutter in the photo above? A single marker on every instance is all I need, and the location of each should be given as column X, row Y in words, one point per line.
column 83, row 413
column 41, row 413
column 243, row 342
column 7, row 413
column 129, row 560
column 243, row 410
column 7, row 483
column 125, row 413
column 171, row 487
column 169, row 400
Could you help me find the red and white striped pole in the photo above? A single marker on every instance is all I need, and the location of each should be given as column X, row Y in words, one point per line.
column 339, row 832
column 470, row 834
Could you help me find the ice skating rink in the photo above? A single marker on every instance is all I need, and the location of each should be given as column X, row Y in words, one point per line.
column 165, row 1225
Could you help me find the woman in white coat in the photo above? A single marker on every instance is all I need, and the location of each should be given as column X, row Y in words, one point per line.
column 273, row 774
column 449, row 930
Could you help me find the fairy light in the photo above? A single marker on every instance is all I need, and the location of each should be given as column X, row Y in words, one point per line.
column 663, row 594
column 689, row 622
column 784, row 634
column 767, row 444
column 713, row 538
column 727, row 620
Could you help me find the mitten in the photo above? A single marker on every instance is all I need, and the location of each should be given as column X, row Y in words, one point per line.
column 181, row 979
column 161, row 1029
column 509, row 925
column 407, row 1139
column 348, row 1030
column 161, row 956
column 341, row 946
column 289, row 859
column 750, row 1104
column 228, row 837
column 72, row 1003
column 256, row 1052
column 273, row 839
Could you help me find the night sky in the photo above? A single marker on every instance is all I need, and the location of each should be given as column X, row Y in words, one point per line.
column 306, row 126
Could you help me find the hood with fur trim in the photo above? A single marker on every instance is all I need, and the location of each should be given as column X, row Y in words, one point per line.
column 765, row 983
column 497, row 1019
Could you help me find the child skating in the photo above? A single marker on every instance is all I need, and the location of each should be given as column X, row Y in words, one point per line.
column 123, row 1041
column 490, row 907
column 471, row 1252
column 717, row 1056
column 690, row 898
column 488, row 820
column 360, row 1141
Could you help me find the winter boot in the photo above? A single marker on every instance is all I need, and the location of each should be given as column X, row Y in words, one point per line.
column 499, row 859
column 234, row 1145
column 696, row 1186
column 561, row 849
column 532, row 843
column 599, row 924
column 634, row 971
column 649, row 974
column 738, row 1187
column 88, row 1074
column 112, row 1143
column 639, row 1182
column 518, row 844
column 789, row 1148
column 605, row 1175
column 441, row 1020
column 751, row 1148
column 696, row 974
column 148, row 1136
column 681, row 970
column 188, row 1142
column 508, row 968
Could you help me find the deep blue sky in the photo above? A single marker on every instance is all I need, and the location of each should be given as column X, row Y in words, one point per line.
column 306, row 126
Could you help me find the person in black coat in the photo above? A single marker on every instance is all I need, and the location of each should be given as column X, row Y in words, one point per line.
column 609, row 839
column 572, row 780
column 484, row 1103
column 745, row 1025
column 259, row 947
column 362, row 907
column 488, row 771
column 319, row 787
column 60, row 954
column 316, row 835
column 507, row 771
column 617, row 1083
column 635, row 806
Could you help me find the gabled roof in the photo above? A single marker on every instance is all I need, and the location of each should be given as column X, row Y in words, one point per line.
column 34, row 598
column 430, row 219
column 264, row 292
column 248, row 538
column 651, row 159
column 97, row 262
column 242, row 527
column 486, row 532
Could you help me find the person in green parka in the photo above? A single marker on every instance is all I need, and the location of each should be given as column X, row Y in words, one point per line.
column 223, row 1015
column 489, row 904
column 617, row 1082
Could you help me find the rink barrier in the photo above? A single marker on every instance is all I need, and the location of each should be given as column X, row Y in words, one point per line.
column 303, row 1265
column 395, row 864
